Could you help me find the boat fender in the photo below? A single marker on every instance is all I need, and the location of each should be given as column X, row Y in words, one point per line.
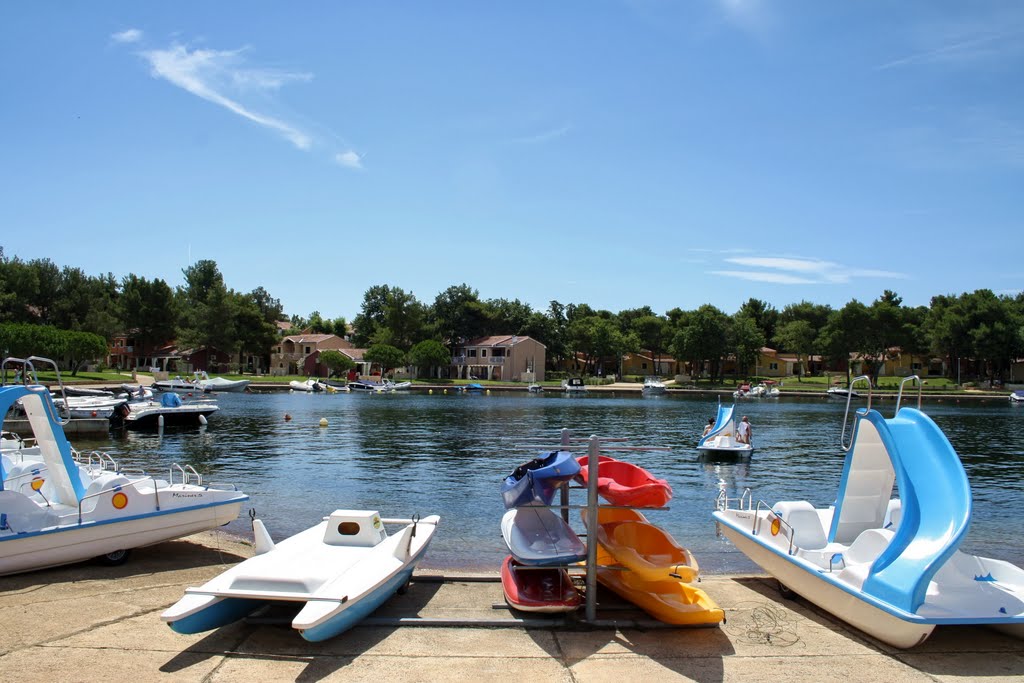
column 202, row 419
column 160, row 421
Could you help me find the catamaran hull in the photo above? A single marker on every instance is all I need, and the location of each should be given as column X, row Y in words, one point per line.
column 50, row 548
column 871, row 620
column 734, row 452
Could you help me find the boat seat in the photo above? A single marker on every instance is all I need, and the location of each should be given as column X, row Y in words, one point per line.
column 803, row 518
column 22, row 515
column 868, row 545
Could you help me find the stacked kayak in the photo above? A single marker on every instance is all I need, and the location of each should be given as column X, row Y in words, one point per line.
column 541, row 543
column 623, row 483
column 639, row 561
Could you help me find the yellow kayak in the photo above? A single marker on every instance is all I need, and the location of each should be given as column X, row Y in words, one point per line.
column 646, row 550
column 670, row 601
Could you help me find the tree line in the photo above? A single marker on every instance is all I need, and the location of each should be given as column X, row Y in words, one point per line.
column 982, row 330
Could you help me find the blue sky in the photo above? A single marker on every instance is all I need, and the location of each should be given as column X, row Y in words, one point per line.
column 612, row 153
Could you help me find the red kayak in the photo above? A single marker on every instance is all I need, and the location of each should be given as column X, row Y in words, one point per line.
column 623, row 483
column 538, row 590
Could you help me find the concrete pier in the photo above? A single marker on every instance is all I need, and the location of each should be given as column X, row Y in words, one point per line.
column 91, row 623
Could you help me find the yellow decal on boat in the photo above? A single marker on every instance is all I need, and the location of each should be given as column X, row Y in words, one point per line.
column 120, row 500
column 376, row 522
column 37, row 483
column 776, row 526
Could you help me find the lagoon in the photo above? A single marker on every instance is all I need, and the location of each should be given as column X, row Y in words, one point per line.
column 448, row 454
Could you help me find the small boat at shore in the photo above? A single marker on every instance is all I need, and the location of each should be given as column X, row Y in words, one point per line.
column 890, row 566
column 574, row 386
column 841, row 393
column 180, row 384
column 1017, row 396
column 340, row 570
column 169, row 411
column 56, row 510
column 538, row 589
column 309, row 386
column 623, row 483
column 653, row 386
column 219, row 384
column 537, row 536
column 535, row 482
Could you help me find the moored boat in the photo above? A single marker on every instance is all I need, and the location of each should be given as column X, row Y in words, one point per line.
column 538, row 589
column 653, row 386
column 574, row 386
column 341, row 570
column 219, row 384
column 623, row 483
column 56, row 511
column 891, row 567
column 169, row 411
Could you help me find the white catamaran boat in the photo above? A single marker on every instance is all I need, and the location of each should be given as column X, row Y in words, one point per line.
column 342, row 569
column 54, row 510
column 891, row 567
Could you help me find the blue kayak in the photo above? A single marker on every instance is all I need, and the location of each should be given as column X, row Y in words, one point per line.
column 535, row 482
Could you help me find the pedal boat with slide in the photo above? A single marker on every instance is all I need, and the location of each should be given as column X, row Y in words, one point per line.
column 890, row 566
column 54, row 510
column 722, row 439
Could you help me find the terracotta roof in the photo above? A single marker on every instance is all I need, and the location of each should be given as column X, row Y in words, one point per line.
column 309, row 338
column 354, row 354
column 497, row 340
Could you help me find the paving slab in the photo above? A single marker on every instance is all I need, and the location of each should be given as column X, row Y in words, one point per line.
column 91, row 623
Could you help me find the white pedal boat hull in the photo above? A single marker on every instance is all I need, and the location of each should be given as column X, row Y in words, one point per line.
column 339, row 584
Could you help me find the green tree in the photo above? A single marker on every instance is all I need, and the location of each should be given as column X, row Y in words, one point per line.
column 428, row 355
column 386, row 356
column 746, row 340
column 148, row 310
column 652, row 334
column 338, row 362
column 763, row 314
column 703, row 338
column 458, row 315
column 844, row 333
column 799, row 337
column 82, row 347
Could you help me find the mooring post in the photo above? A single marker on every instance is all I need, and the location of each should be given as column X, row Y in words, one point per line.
column 593, row 456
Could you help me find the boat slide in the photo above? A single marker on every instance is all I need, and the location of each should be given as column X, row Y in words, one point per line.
column 890, row 566
column 722, row 439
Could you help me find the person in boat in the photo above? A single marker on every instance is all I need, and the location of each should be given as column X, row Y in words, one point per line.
column 710, row 425
column 743, row 431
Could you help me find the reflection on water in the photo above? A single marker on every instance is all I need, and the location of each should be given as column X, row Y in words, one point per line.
column 448, row 454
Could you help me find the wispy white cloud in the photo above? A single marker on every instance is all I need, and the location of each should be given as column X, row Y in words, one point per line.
column 543, row 136
column 960, row 51
column 349, row 159
column 210, row 74
column 131, row 35
column 799, row 271
column 760, row 276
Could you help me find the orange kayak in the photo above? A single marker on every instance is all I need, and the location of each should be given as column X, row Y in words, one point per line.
column 645, row 550
column 670, row 601
column 623, row 483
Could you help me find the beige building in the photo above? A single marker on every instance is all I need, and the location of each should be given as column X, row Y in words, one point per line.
column 509, row 358
column 289, row 356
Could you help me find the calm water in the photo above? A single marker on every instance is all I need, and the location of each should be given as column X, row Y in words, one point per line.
column 447, row 454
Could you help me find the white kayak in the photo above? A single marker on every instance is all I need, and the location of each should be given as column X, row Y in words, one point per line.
column 539, row 537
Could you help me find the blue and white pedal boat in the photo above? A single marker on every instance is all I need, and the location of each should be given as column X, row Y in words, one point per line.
column 722, row 439
column 342, row 569
column 889, row 566
column 55, row 510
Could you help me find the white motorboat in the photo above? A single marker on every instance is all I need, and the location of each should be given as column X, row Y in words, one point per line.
column 535, row 388
column 309, row 386
column 89, row 406
column 54, row 510
column 891, row 567
column 721, row 440
column 217, row 384
column 397, row 386
column 179, row 384
column 342, row 569
column 169, row 411
column 574, row 386
column 653, row 386
column 1017, row 396
column 368, row 387
column 841, row 393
